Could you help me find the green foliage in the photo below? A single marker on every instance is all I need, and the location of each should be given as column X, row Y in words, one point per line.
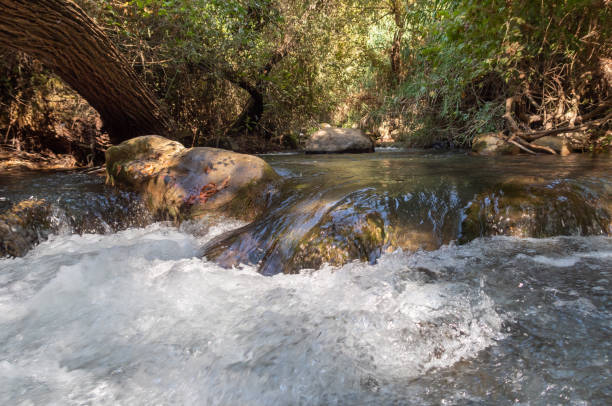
column 463, row 58
column 428, row 71
column 204, row 58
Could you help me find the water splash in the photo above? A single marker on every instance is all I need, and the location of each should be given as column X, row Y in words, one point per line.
column 136, row 318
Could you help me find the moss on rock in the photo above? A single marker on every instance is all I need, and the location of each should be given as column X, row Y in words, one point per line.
column 23, row 226
column 521, row 209
column 338, row 240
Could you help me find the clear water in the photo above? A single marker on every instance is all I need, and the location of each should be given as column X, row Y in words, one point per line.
column 81, row 202
column 135, row 317
column 421, row 198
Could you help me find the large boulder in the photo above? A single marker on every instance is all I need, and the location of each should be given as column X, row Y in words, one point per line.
column 189, row 182
column 338, row 140
column 307, row 228
column 492, row 144
column 558, row 144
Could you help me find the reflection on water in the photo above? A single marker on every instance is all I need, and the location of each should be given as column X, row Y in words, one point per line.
column 420, row 199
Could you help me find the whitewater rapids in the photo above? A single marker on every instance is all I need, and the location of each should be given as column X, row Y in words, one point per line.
column 136, row 318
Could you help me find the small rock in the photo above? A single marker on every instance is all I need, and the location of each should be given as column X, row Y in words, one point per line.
column 558, row 144
column 493, row 144
column 23, row 226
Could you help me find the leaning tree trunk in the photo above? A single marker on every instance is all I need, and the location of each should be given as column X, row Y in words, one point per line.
column 249, row 117
column 65, row 39
column 253, row 111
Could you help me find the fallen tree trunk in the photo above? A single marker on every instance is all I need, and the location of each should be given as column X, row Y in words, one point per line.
column 72, row 45
column 534, row 135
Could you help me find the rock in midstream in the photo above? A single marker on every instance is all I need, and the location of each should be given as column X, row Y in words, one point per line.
column 23, row 226
column 530, row 208
column 338, row 140
column 189, row 182
column 31, row 221
column 335, row 228
column 309, row 227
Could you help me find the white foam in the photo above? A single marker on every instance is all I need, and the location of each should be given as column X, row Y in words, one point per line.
column 567, row 261
column 136, row 318
column 560, row 262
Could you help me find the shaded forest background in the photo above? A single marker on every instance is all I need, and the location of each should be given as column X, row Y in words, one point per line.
column 255, row 75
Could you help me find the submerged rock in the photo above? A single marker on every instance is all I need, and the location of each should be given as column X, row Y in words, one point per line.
column 334, row 240
column 341, row 236
column 189, row 182
column 492, row 144
column 337, row 140
column 311, row 225
column 528, row 208
column 65, row 203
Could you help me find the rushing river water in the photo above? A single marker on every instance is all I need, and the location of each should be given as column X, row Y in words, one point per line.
column 129, row 313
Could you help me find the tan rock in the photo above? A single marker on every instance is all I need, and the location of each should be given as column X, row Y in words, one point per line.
column 338, row 140
column 577, row 141
column 557, row 144
column 492, row 144
column 189, row 182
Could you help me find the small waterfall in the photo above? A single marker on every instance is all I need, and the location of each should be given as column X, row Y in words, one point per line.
column 343, row 209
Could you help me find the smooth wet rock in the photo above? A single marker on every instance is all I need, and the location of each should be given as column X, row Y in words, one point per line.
column 338, row 140
column 522, row 208
column 340, row 209
column 336, row 228
column 336, row 241
column 492, row 144
column 558, row 144
column 24, row 225
column 342, row 235
column 190, row 182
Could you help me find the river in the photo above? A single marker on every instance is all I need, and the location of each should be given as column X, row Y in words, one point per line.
column 112, row 307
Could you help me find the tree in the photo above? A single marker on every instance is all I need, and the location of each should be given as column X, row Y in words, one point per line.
column 231, row 68
column 72, row 45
